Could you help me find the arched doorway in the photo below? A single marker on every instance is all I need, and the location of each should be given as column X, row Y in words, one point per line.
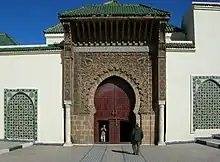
column 114, row 102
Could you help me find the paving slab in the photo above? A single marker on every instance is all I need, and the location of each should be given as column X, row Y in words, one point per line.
column 217, row 136
column 8, row 144
column 129, row 157
column 212, row 142
column 46, row 153
column 170, row 153
column 181, row 153
column 113, row 154
column 95, row 154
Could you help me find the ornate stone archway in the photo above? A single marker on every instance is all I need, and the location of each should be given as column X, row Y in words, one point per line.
column 106, row 74
column 90, row 70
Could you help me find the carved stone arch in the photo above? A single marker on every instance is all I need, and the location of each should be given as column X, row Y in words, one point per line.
column 119, row 73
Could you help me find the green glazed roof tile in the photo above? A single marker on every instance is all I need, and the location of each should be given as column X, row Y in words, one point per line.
column 55, row 29
column 5, row 40
column 171, row 29
column 59, row 29
column 113, row 8
column 46, row 48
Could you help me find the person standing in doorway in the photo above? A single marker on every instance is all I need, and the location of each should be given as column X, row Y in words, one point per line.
column 103, row 134
column 136, row 137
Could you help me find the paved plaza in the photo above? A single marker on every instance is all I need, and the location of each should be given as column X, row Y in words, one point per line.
column 103, row 153
column 7, row 144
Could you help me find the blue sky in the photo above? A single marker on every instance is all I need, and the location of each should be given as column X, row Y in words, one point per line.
column 25, row 20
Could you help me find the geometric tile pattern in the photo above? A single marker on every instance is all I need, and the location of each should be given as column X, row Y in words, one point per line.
column 206, row 102
column 20, row 112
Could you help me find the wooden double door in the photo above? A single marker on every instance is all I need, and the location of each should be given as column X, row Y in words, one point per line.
column 113, row 108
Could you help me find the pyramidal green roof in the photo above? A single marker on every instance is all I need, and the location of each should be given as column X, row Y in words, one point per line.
column 56, row 29
column 113, row 8
column 5, row 40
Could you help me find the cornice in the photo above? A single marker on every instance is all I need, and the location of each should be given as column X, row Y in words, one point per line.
column 42, row 52
column 210, row 6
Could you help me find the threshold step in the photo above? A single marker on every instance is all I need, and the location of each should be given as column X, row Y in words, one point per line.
column 209, row 142
column 216, row 136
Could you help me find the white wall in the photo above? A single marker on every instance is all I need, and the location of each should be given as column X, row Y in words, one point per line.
column 54, row 38
column 42, row 72
column 180, row 67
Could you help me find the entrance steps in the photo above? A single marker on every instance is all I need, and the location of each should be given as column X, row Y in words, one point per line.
column 213, row 141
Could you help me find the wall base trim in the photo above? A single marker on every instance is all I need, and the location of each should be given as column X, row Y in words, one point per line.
column 48, row 144
column 180, row 142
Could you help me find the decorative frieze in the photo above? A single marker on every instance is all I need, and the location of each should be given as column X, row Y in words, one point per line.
column 67, row 61
column 161, row 62
column 67, row 32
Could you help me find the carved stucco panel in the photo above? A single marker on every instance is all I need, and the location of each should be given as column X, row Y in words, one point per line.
column 67, row 78
column 162, row 78
column 135, row 68
column 67, row 32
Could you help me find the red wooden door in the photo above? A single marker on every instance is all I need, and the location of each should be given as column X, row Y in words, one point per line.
column 112, row 104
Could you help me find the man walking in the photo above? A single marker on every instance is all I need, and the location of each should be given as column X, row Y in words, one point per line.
column 136, row 137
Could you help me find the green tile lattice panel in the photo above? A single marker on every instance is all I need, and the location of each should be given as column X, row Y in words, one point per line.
column 206, row 102
column 20, row 113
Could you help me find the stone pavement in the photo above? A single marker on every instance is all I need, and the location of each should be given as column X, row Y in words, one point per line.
column 113, row 153
column 7, row 146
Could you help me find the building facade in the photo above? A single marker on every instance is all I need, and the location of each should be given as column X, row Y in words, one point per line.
column 113, row 64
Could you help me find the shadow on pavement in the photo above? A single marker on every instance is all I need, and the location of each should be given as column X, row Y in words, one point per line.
column 119, row 151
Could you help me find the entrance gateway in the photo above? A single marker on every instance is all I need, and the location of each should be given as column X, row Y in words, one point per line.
column 104, row 41
column 114, row 102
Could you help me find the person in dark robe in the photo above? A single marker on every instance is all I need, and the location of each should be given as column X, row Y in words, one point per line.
column 136, row 138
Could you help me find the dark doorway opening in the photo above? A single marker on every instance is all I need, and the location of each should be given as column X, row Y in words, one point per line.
column 106, row 123
column 125, row 131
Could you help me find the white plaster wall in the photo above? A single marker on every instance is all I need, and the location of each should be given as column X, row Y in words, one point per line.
column 54, row 38
column 42, row 72
column 180, row 67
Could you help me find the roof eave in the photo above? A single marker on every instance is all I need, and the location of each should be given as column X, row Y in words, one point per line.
column 68, row 18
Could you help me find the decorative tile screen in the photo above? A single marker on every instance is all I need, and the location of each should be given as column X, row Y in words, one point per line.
column 206, row 102
column 20, row 114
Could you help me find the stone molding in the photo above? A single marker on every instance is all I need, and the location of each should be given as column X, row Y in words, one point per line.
column 67, row 61
column 112, row 49
column 162, row 102
column 67, row 102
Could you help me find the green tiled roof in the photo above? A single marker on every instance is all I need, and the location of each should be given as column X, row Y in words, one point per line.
column 114, row 8
column 59, row 29
column 180, row 45
column 55, row 29
column 171, row 29
column 5, row 40
column 46, row 48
